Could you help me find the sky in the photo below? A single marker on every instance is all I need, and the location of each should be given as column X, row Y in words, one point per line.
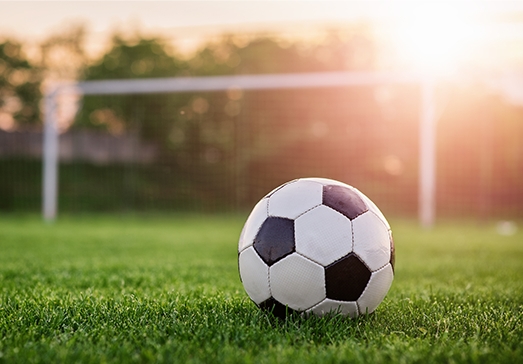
column 35, row 19
column 431, row 32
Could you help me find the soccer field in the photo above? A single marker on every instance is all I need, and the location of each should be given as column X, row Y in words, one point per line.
column 166, row 289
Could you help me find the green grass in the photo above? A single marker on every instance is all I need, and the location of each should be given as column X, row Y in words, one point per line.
column 166, row 289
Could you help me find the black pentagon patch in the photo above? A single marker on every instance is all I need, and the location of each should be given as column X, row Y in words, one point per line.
column 277, row 308
column 346, row 278
column 344, row 200
column 392, row 253
column 275, row 239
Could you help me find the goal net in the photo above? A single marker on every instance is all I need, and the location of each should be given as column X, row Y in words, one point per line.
column 221, row 143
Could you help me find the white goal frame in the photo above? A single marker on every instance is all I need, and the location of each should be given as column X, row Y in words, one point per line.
column 427, row 117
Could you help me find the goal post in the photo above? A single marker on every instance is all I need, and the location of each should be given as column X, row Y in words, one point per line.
column 427, row 159
column 50, row 157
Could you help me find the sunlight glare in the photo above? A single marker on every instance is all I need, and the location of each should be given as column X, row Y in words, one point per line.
column 436, row 40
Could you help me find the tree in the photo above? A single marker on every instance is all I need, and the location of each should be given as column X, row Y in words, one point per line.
column 136, row 58
column 19, row 87
column 68, row 44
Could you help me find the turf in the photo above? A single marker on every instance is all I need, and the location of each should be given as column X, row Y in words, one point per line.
column 166, row 289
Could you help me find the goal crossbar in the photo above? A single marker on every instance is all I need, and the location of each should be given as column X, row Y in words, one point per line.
column 244, row 82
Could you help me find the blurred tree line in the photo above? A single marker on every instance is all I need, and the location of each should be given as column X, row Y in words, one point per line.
column 226, row 149
column 63, row 56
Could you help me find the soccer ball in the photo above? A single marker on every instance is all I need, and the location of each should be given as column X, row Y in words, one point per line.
column 316, row 246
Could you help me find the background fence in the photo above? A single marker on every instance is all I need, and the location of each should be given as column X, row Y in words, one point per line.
column 221, row 150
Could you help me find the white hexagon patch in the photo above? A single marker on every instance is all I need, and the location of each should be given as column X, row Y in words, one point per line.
column 372, row 207
column 297, row 282
column 371, row 240
column 294, row 199
column 328, row 306
column 254, row 274
column 376, row 290
column 323, row 235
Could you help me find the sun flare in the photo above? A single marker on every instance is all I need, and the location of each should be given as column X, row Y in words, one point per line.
column 436, row 40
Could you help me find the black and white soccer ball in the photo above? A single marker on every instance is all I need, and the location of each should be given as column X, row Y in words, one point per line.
column 315, row 245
